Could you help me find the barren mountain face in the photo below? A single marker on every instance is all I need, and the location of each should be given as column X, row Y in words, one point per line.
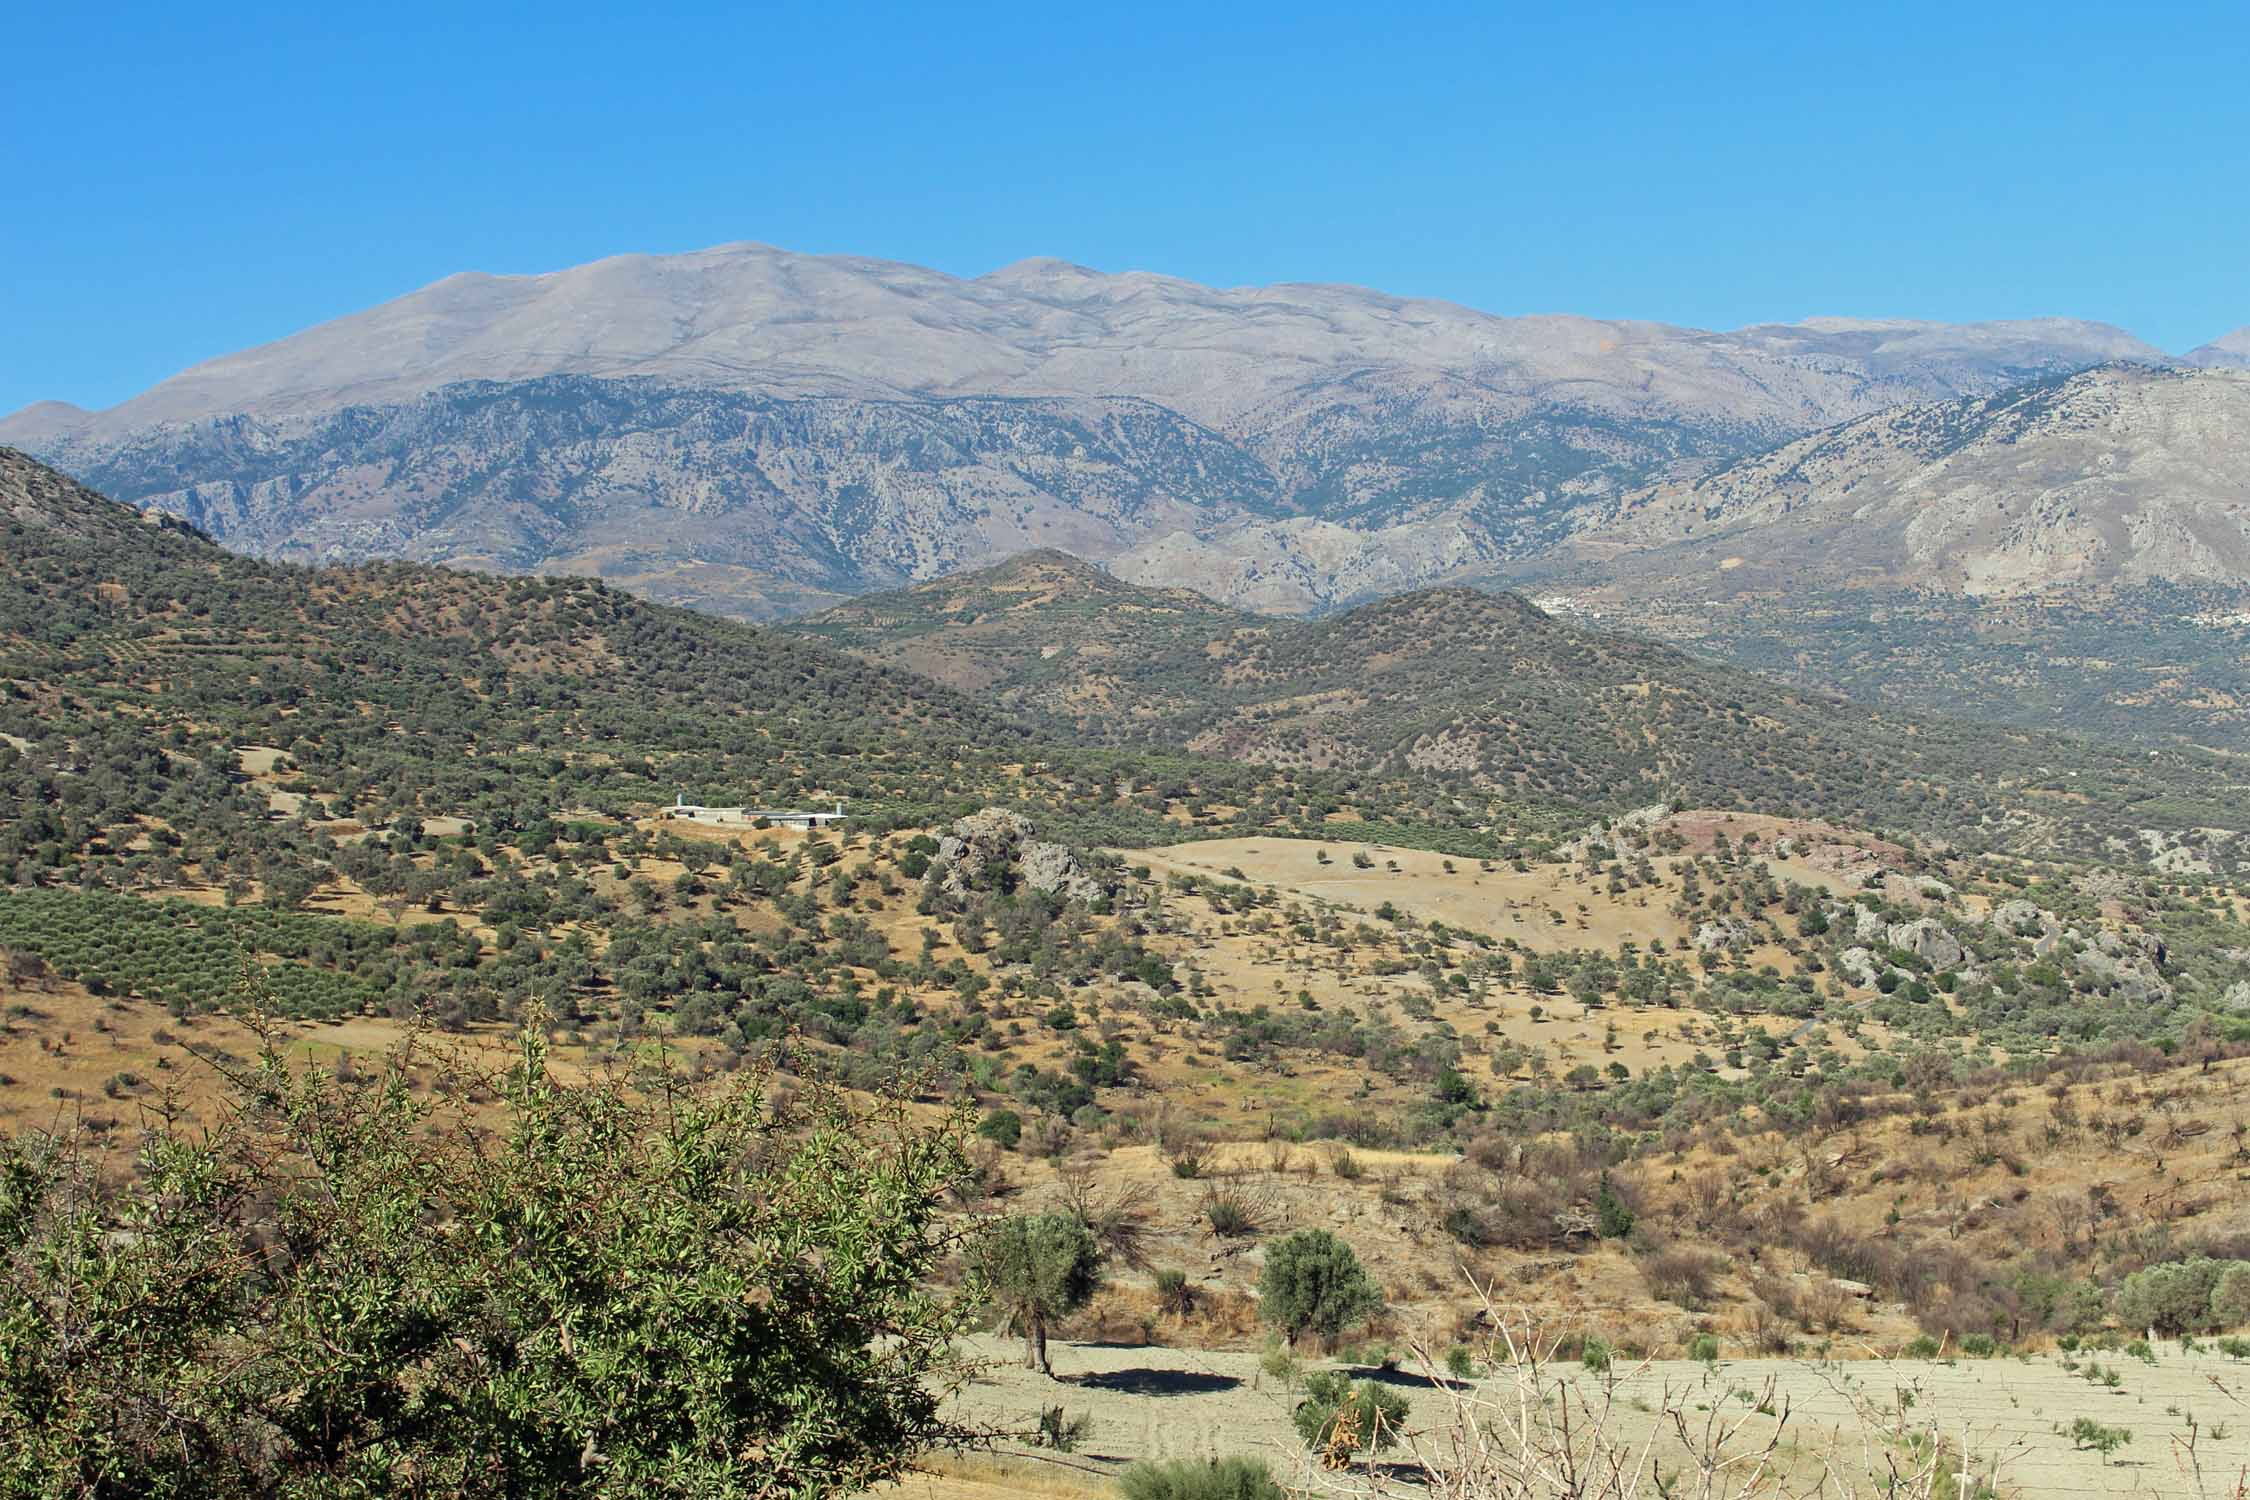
column 2117, row 475
column 758, row 432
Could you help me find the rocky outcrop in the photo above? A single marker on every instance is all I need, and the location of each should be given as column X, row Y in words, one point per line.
column 1725, row 933
column 2118, row 474
column 988, row 849
column 1928, row 940
column 2127, row 966
column 1860, row 967
column 2236, row 996
column 2020, row 918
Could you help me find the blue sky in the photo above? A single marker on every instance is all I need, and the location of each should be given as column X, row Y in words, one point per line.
column 183, row 181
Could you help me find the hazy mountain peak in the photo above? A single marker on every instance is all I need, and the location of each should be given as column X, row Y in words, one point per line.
column 44, row 422
column 2228, row 351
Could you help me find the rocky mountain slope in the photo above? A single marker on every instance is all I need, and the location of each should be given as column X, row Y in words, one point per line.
column 2118, row 475
column 753, row 430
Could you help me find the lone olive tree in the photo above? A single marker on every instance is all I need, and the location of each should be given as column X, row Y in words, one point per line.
column 1039, row 1267
column 1313, row 1283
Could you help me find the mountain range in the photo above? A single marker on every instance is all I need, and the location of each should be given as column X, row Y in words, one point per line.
column 765, row 435
column 757, row 432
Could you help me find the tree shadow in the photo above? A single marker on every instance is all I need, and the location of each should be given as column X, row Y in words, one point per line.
column 1406, row 1379
column 1150, row 1382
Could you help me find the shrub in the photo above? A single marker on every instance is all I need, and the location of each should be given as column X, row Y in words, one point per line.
column 609, row 1286
column 1230, row 1213
column 1704, row 1348
column 2085, row 1432
column 1313, row 1283
column 1681, row 1275
column 1613, row 1217
column 1342, row 1415
column 1173, row 1293
column 1060, row 1432
column 1200, row 1479
column 2230, row 1297
column 1003, row 1127
column 2172, row 1298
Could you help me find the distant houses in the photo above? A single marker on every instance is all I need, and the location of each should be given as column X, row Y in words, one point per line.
column 694, row 812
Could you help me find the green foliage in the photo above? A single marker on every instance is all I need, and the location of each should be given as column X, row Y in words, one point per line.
column 2184, row 1296
column 1038, row 1268
column 1374, row 1413
column 1200, row 1479
column 1613, row 1218
column 2230, row 1297
column 635, row 1290
column 1312, row 1283
column 2086, row 1433
column 1003, row 1127
column 194, row 957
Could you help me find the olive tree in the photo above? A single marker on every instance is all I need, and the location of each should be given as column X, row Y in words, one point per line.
column 618, row 1287
column 1039, row 1267
column 1313, row 1283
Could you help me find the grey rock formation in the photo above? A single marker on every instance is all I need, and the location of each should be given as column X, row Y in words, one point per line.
column 1867, row 924
column 2236, row 996
column 2128, row 967
column 1860, row 967
column 978, row 850
column 2021, row 918
column 1726, row 932
column 2123, row 474
column 1053, row 868
column 1928, row 940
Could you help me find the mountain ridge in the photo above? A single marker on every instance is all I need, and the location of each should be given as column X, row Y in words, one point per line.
column 715, row 317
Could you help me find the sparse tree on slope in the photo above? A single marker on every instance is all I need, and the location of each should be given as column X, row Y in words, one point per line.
column 1040, row 1267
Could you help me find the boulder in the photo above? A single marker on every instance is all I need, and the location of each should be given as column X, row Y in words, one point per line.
column 1726, row 932
column 2021, row 918
column 1928, row 940
column 1867, row 925
column 1859, row 966
column 2236, row 996
column 979, row 848
column 1052, row 868
column 2127, row 972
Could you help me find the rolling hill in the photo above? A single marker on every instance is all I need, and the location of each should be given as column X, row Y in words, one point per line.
column 1488, row 690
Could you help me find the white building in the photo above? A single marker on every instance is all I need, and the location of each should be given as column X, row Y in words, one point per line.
column 779, row 818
